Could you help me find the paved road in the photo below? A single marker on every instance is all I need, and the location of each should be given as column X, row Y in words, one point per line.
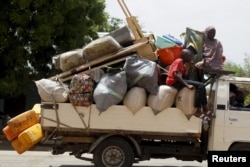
column 9, row 158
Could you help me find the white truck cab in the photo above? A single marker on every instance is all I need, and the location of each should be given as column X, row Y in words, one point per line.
column 230, row 129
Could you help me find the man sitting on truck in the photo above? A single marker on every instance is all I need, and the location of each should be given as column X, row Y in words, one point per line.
column 177, row 77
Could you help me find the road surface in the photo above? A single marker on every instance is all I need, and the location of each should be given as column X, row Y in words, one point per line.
column 44, row 158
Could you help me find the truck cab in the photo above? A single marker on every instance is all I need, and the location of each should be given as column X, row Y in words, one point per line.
column 229, row 129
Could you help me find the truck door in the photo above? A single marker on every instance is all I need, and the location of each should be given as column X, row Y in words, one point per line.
column 237, row 116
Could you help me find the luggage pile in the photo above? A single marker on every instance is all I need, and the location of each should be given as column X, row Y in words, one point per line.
column 133, row 82
column 102, row 74
column 24, row 131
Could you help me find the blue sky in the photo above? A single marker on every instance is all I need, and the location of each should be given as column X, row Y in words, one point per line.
column 230, row 17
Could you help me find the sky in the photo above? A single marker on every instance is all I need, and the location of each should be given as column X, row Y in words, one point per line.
column 231, row 19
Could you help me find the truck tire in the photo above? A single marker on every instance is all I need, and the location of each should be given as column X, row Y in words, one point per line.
column 240, row 147
column 114, row 152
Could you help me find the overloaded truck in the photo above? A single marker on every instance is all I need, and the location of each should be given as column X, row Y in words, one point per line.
column 117, row 137
column 115, row 106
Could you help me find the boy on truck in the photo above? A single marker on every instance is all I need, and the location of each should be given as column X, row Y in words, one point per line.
column 177, row 77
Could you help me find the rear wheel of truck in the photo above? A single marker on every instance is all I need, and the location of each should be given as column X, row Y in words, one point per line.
column 114, row 152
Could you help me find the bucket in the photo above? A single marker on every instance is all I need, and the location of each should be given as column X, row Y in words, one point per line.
column 168, row 55
column 9, row 134
column 31, row 136
column 23, row 121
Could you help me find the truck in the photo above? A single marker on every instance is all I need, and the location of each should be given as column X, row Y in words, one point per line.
column 117, row 137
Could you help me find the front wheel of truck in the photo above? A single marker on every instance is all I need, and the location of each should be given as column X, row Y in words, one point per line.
column 114, row 152
column 240, row 147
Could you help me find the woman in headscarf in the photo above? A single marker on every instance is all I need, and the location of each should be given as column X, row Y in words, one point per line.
column 212, row 51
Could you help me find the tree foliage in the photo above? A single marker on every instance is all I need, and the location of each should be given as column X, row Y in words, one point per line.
column 31, row 32
column 240, row 70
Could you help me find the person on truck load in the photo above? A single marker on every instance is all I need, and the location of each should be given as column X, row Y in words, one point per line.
column 212, row 51
column 177, row 77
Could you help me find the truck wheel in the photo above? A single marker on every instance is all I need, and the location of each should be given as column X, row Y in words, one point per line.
column 114, row 152
column 240, row 147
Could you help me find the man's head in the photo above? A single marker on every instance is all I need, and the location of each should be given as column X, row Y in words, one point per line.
column 210, row 32
column 186, row 55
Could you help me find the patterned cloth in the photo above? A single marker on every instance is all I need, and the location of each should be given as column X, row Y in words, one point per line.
column 195, row 39
column 81, row 87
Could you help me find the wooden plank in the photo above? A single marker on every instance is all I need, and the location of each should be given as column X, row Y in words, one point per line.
column 92, row 69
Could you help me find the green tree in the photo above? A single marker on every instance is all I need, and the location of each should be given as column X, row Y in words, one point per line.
column 240, row 70
column 31, row 32
column 112, row 24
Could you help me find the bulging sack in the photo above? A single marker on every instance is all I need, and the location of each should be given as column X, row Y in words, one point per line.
column 164, row 98
column 142, row 72
column 51, row 91
column 100, row 47
column 123, row 36
column 70, row 59
column 110, row 90
column 135, row 99
column 185, row 100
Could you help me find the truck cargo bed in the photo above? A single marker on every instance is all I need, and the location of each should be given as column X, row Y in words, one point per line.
column 118, row 119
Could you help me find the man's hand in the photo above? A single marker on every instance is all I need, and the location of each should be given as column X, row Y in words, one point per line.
column 190, row 86
column 199, row 64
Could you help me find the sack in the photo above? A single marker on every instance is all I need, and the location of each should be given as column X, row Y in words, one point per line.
column 81, row 83
column 123, row 36
column 185, row 100
column 110, row 90
column 52, row 91
column 71, row 59
column 142, row 72
column 135, row 99
column 164, row 98
column 81, row 87
column 100, row 47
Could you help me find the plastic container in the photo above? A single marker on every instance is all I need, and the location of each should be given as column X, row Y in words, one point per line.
column 162, row 42
column 168, row 55
column 18, row 146
column 173, row 39
column 31, row 136
column 9, row 134
column 23, row 121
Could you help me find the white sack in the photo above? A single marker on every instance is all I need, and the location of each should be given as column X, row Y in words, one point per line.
column 135, row 99
column 164, row 98
column 51, row 91
column 185, row 100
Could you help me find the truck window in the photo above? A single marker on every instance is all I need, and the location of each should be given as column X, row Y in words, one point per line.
column 239, row 96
